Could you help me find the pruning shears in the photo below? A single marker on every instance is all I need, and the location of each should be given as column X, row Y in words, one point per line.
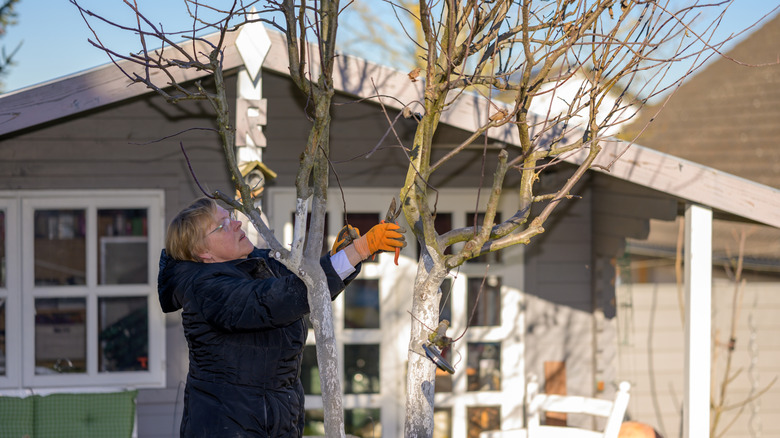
column 392, row 217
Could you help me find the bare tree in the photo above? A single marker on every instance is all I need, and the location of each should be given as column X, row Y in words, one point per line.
column 721, row 382
column 7, row 18
column 299, row 22
column 557, row 77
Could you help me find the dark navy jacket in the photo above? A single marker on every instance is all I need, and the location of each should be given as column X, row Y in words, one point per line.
column 243, row 321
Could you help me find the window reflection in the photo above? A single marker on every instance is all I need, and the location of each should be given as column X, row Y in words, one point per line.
column 124, row 334
column 445, row 303
column 2, row 336
column 484, row 301
column 361, row 369
column 122, row 246
column 60, row 247
column 483, row 418
column 60, row 335
column 484, row 366
column 310, row 373
column 364, row 423
column 361, row 304
column 314, row 423
column 2, row 249
column 443, row 380
column 2, row 297
column 363, row 222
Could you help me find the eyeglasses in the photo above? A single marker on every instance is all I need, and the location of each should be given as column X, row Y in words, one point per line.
column 225, row 224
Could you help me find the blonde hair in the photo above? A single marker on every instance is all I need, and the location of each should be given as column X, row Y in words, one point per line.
column 184, row 239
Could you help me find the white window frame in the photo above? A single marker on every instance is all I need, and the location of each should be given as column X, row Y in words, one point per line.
column 396, row 286
column 12, row 293
column 91, row 201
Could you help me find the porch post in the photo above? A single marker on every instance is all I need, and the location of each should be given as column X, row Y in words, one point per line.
column 698, row 320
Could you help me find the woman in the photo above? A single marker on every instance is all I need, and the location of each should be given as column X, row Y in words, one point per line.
column 242, row 313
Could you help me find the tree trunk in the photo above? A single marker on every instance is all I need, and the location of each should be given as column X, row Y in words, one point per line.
column 421, row 373
column 327, row 352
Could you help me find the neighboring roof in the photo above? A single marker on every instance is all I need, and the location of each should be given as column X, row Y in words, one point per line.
column 728, row 115
column 87, row 90
column 679, row 178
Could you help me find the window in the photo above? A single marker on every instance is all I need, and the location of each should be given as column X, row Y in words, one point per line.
column 484, row 295
column 364, row 423
column 84, row 289
column 361, row 367
column 442, row 422
column 481, row 419
column 484, row 366
column 493, row 257
column 10, row 296
column 310, row 373
column 363, row 222
column 361, row 305
column 3, row 294
column 372, row 325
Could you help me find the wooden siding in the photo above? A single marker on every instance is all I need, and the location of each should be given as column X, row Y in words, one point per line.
column 356, row 132
column 109, row 148
column 115, row 148
column 559, row 325
column 159, row 412
column 653, row 346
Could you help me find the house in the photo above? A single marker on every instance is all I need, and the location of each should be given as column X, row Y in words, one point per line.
column 725, row 117
column 92, row 172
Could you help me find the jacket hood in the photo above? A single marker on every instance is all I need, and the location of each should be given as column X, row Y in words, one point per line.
column 166, row 284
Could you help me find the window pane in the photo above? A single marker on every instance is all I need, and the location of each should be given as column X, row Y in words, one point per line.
column 2, row 249
column 493, row 257
column 361, row 304
column 486, row 298
column 60, row 251
column 314, row 423
column 442, row 423
column 364, row 423
column 124, row 334
column 310, row 373
column 2, row 336
column 122, row 246
column 484, row 366
column 361, row 369
column 483, row 418
column 60, row 335
column 441, row 223
column 445, row 304
column 443, row 381
column 363, row 222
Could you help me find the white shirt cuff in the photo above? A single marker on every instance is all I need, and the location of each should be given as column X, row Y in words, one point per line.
column 341, row 264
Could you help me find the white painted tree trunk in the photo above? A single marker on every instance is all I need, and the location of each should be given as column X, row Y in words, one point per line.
column 421, row 372
column 327, row 351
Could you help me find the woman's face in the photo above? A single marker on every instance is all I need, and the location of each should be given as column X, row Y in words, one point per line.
column 224, row 239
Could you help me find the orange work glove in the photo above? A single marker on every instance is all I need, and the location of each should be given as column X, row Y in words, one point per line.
column 344, row 238
column 386, row 236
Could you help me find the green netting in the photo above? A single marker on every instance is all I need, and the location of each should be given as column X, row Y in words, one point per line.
column 89, row 415
column 16, row 417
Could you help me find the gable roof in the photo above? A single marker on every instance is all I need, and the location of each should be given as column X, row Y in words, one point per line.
column 677, row 177
column 726, row 116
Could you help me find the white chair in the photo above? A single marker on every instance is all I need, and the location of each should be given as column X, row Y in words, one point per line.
column 537, row 403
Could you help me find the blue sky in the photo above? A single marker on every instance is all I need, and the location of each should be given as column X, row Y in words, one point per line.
column 54, row 36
